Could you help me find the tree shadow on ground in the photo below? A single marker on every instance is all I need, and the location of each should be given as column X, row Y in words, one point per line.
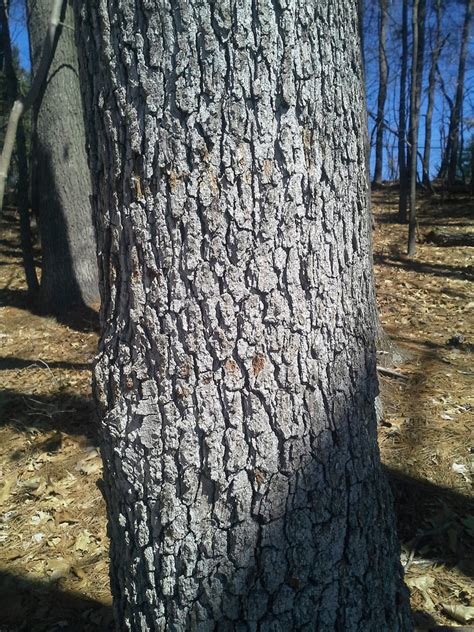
column 7, row 363
column 461, row 347
column 388, row 217
column 434, row 520
column 464, row 273
column 61, row 412
column 28, row 605
column 427, row 516
column 83, row 318
column 426, row 513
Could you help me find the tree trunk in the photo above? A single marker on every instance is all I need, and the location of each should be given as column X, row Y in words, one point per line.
column 61, row 187
column 382, row 95
column 22, row 159
column 453, row 156
column 418, row 14
column 436, row 51
column 402, row 129
column 236, row 374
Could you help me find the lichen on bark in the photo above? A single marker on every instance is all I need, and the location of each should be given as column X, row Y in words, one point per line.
column 236, row 373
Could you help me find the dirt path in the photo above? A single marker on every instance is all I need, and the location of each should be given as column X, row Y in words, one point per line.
column 53, row 568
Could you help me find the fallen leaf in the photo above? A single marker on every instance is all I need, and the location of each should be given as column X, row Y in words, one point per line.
column 89, row 465
column 59, row 568
column 41, row 517
column 422, row 582
column 65, row 516
column 461, row 614
column 7, row 487
column 459, row 468
column 37, row 538
column 78, row 572
column 31, row 484
column 83, row 541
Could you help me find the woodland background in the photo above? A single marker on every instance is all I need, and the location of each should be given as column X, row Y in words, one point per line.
column 53, row 565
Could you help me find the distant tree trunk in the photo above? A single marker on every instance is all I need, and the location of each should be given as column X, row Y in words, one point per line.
column 22, row 158
column 472, row 165
column 61, row 181
column 236, row 374
column 382, row 94
column 360, row 16
column 435, row 53
column 414, row 118
column 402, row 130
column 451, row 155
column 421, row 12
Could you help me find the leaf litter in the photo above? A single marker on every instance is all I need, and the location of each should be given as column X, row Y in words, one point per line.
column 54, row 564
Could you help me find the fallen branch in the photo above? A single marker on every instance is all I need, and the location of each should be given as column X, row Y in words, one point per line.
column 447, row 238
column 391, row 373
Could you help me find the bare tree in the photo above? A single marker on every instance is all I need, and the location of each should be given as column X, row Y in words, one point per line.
column 451, row 156
column 382, row 94
column 402, row 140
column 414, row 119
column 435, row 54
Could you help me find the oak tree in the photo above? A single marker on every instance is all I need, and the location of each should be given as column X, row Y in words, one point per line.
column 236, row 373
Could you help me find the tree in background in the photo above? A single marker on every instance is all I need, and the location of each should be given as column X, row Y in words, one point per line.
column 236, row 375
column 435, row 53
column 451, row 156
column 61, row 187
column 446, row 83
column 402, row 131
column 382, row 95
column 11, row 87
column 418, row 16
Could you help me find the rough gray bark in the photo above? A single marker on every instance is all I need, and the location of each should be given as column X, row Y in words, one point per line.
column 236, row 374
column 382, row 94
column 61, row 185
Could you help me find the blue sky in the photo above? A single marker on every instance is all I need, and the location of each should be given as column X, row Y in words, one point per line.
column 452, row 26
column 452, row 22
column 19, row 33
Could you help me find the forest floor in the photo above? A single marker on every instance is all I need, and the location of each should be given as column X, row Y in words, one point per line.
column 53, row 561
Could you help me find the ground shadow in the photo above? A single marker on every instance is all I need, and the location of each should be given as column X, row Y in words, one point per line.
column 428, row 515
column 434, row 521
column 448, row 344
column 425, row 513
column 80, row 317
column 465, row 273
column 83, row 318
column 28, row 605
column 7, row 363
column 61, row 412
